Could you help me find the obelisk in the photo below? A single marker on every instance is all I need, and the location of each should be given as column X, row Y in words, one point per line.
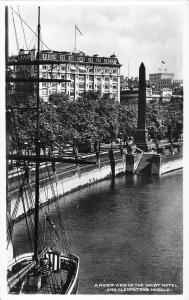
column 141, row 139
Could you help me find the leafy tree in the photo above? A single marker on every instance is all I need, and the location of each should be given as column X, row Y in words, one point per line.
column 163, row 117
column 128, row 121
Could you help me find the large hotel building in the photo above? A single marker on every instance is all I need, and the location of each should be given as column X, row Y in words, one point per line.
column 81, row 73
column 164, row 80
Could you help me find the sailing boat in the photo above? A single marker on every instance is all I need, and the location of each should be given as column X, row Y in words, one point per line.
column 47, row 270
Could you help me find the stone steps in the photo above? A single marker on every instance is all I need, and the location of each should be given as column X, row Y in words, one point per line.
column 144, row 164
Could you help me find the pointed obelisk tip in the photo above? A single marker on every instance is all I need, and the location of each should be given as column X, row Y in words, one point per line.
column 142, row 66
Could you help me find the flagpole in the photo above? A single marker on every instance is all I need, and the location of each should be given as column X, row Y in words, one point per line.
column 75, row 41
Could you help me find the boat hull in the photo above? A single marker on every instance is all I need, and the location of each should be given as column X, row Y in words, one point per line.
column 24, row 279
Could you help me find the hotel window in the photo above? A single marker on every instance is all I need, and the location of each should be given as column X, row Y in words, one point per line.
column 44, row 84
column 62, row 57
column 79, row 58
column 91, row 78
column 70, row 57
column 81, row 85
column 90, row 59
column 98, row 59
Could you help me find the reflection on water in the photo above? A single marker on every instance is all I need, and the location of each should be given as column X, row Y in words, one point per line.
column 127, row 231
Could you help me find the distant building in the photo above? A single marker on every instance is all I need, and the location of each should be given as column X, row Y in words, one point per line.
column 177, row 83
column 161, row 80
column 82, row 72
column 160, row 76
column 164, row 81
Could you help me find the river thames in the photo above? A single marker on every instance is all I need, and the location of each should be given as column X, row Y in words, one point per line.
column 128, row 234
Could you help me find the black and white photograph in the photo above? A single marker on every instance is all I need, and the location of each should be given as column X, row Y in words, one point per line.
column 93, row 110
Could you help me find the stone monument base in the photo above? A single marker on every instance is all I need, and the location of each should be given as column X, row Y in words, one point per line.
column 141, row 140
column 146, row 147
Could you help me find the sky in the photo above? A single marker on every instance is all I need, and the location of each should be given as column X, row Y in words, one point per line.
column 149, row 32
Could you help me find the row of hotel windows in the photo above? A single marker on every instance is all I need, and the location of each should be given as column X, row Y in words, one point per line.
column 80, row 85
column 79, row 58
column 80, row 77
column 48, row 68
column 78, row 69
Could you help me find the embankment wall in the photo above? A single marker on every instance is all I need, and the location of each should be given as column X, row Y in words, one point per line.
column 69, row 177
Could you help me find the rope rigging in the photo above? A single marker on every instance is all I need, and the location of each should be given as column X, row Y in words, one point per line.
column 16, row 36
column 34, row 36
column 22, row 28
column 65, row 242
column 29, row 27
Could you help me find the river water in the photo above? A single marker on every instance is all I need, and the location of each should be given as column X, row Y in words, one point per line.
column 128, row 234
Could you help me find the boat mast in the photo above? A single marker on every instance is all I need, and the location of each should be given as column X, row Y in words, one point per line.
column 6, row 36
column 37, row 152
column 7, row 127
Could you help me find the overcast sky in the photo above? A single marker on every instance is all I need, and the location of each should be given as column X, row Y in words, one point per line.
column 135, row 32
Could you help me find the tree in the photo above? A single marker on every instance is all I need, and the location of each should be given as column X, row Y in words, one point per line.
column 162, row 117
column 127, row 121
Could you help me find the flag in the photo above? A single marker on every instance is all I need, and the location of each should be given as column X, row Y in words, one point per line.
column 78, row 29
column 163, row 62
